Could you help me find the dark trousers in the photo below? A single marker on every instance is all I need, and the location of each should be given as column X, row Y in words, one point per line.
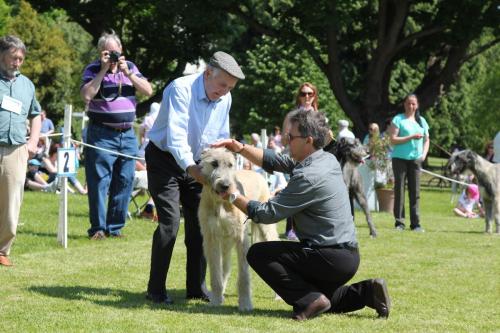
column 169, row 185
column 406, row 170
column 300, row 274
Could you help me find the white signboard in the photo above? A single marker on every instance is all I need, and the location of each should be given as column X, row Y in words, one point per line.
column 66, row 162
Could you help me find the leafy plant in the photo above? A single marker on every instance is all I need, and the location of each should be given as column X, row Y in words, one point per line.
column 380, row 160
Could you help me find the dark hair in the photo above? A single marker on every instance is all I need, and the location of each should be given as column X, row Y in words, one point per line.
column 417, row 113
column 311, row 124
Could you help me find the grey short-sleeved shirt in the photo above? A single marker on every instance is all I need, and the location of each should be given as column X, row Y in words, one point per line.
column 316, row 197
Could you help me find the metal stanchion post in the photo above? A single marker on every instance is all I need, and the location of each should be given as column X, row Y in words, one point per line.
column 62, row 232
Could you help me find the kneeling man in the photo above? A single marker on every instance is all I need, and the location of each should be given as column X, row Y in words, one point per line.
column 311, row 274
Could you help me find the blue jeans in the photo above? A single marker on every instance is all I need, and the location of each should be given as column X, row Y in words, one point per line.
column 109, row 176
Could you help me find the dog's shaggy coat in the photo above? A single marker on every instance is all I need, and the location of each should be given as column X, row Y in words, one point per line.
column 350, row 153
column 488, row 177
column 223, row 225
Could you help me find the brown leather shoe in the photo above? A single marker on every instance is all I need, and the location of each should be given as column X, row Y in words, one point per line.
column 381, row 300
column 320, row 305
column 5, row 261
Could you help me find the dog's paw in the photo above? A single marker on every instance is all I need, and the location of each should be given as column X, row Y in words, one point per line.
column 216, row 300
column 245, row 305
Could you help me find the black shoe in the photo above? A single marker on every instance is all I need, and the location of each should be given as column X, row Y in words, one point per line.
column 204, row 297
column 159, row 298
column 381, row 300
column 320, row 305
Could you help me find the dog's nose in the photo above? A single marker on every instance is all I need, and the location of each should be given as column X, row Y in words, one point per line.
column 224, row 187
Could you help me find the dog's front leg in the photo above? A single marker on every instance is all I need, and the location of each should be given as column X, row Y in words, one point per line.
column 244, row 287
column 212, row 248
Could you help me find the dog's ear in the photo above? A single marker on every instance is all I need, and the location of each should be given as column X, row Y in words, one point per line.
column 204, row 152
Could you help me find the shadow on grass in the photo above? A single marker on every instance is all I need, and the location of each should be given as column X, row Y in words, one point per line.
column 129, row 300
column 48, row 234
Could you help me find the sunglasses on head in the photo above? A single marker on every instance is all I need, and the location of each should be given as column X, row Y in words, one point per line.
column 305, row 93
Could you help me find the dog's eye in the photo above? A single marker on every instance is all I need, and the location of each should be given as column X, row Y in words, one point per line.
column 215, row 164
column 230, row 165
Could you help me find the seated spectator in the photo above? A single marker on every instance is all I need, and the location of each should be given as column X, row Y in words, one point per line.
column 34, row 179
column 52, row 162
column 467, row 201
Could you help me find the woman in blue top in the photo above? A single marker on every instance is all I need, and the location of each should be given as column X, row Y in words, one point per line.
column 410, row 138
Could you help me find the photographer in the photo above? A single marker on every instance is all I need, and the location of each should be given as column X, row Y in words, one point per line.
column 109, row 85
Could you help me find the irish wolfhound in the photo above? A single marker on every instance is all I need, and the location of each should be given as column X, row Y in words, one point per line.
column 350, row 153
column 223, row 225
column 488, row 177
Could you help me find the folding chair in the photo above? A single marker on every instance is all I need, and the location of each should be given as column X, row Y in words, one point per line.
column 140, row 187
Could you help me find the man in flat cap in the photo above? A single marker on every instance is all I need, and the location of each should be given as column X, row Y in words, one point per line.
column 194, row 113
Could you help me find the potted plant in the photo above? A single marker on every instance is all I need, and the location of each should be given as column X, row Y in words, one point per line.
column 380, row 162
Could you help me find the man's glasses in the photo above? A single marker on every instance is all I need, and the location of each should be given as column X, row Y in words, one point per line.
column 306, row 93
column 291, row 137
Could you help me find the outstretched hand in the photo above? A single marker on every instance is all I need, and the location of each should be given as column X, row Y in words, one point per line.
column 229, row 144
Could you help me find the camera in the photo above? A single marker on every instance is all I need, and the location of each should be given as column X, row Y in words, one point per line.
column 113, row 56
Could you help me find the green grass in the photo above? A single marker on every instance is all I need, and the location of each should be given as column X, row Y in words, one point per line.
column 445, row 280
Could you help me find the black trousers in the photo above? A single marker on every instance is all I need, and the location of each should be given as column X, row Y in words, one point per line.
column 300, row 274
column 169, row 185
column 406, row 170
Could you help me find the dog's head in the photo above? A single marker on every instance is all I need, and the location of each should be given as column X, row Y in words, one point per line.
column 218, row 166
column 347, row 149
column 461, row 161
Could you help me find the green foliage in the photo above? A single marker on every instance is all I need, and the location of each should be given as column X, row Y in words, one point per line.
column 274, row 72
column 4, row 17
column 48, row 62
column 471, row 105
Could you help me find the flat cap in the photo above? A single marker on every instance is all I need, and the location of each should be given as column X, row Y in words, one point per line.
column 226, row 62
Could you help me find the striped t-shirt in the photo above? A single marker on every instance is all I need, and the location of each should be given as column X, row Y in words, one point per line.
column 115, row 102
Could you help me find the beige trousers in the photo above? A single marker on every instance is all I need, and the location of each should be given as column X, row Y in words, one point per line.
column 13, row 162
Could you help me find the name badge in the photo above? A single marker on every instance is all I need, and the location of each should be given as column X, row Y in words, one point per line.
column 11, row 104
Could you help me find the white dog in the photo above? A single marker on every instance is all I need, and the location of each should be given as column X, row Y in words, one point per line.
column 223, row 225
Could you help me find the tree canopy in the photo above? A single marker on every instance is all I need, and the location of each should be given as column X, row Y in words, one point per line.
column 371, row 53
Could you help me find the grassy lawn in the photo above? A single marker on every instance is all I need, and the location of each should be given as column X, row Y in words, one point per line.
column 445, row 280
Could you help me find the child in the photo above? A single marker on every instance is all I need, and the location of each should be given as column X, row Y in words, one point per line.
column 466, row 202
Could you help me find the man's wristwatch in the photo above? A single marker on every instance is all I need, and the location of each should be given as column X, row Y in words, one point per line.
column 233, row 196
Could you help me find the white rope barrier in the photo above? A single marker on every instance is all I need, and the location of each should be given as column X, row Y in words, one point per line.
column 443, row 177
column 108, row 151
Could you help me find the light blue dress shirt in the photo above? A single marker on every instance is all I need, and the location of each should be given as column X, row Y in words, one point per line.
column 188, row 121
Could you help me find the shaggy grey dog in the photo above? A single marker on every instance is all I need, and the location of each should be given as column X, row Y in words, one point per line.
column 488, row 177
column 350, row 153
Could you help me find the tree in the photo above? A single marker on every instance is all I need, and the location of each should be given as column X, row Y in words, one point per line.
column 273, row 74
column 49, row 58
column 160, row 36
column 359, row 44
column 372, row 53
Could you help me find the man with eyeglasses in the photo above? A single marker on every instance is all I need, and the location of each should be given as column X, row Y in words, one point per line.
column 309, row 275
column 17, row 104
column 194, row 112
